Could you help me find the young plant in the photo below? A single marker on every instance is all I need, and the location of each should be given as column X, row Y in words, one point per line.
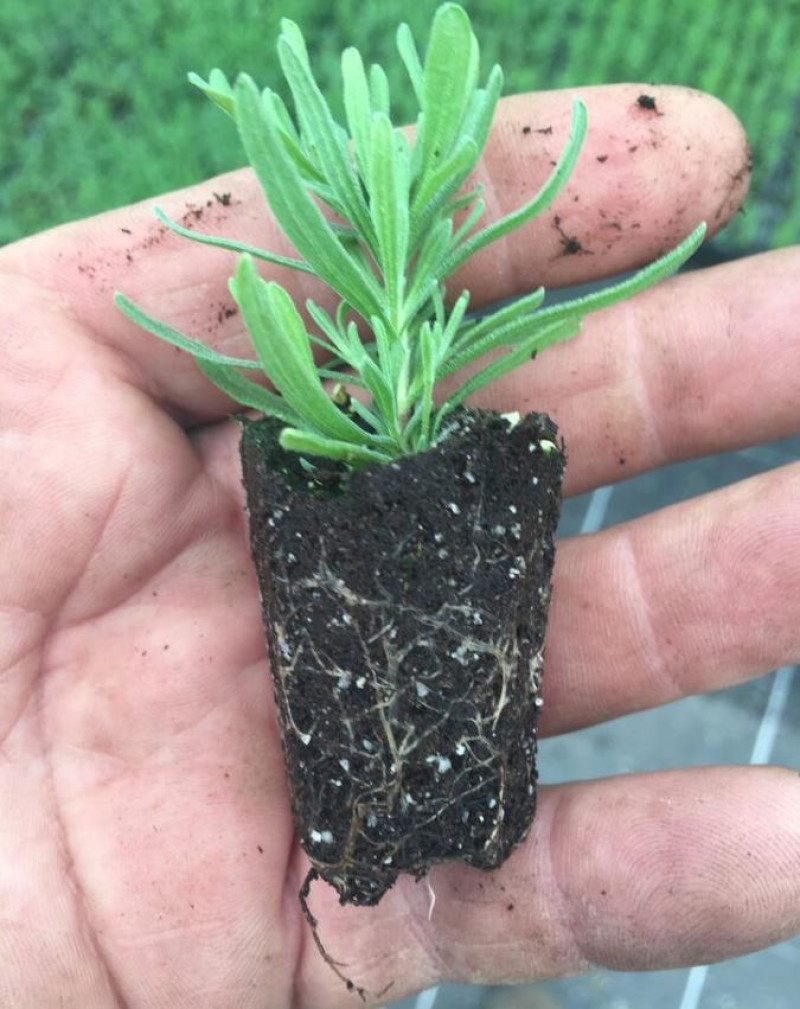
column 387, row 262
column 405, row 603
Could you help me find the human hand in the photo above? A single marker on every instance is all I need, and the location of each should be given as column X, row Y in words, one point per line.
column 147, row 856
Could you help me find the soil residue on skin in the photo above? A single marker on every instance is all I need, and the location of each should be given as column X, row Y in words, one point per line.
column 648, row 104
column 570, row 244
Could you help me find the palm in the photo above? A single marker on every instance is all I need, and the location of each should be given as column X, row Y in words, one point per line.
column 147, row 855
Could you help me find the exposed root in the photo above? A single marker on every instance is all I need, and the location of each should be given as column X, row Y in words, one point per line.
column 334, row 965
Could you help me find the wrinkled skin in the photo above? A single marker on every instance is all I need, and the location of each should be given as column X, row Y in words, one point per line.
column 147, row 857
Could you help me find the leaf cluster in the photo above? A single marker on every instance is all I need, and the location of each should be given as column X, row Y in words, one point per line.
column 372, row 213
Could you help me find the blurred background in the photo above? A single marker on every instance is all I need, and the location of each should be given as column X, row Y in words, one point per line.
column 97, row 112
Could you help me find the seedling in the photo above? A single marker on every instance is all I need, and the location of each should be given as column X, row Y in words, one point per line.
column 403, row 542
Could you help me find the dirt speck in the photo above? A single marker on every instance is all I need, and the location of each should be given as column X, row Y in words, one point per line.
column 570, row 244
column 648, row 104
column 225, row 312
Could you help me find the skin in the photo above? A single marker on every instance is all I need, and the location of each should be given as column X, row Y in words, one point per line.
column 147, row 856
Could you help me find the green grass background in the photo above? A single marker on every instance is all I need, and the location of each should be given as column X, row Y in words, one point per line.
column 96, row 110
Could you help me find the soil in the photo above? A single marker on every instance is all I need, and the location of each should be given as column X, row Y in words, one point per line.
column 405, row 608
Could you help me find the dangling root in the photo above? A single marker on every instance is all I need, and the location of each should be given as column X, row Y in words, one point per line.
column 334, row 965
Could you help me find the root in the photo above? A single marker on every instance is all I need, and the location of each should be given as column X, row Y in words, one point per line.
column 334, row 965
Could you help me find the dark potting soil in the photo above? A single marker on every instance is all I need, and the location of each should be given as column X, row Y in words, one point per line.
column 405, row 609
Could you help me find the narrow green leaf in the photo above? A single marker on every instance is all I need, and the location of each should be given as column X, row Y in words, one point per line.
column 435, row 189
column 450, row 330
column 508, row 335
column 427, row 271
column 342, row 377
column 379, row 90
column 283, row 346
column 647, row 277
column 465, row 199
column 230, row 245
column 294, row 209
column 309, row 170
column 427, row 354
column 199, row 351
column 373, row 419
column 348, row 348
column 324, row 137
column 246, row 392
column 449, row 78
column 492, row 322
column 294, row 440
column 388, row 186
column 291, row 32
column 482, row 107
column 357, row 107
column 469, row 222
column 556, row 332
column 539, row 203
column 383, row 397
column 407, row 48
column 390, row 353
column 217, row 88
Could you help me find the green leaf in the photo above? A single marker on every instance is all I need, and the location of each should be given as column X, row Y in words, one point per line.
column 168, row 334
column 230, row 245
column 436, row 188
column 309, row 170
column 294, row 440
column 449, row 78
column 324, row 136
column 555, row 333
column 427, row 355
column 481, row 111
column 647, row 277
column 539, row 203
column 357, row 107
column 349, row 349
column 217, row 88
column 450, row 330
column 407, row 48
column 246, row 392
column 379, row 89
column 388, row 186
column 295, row 211
column 427, row 272
column 290, row 30
column 283, row 346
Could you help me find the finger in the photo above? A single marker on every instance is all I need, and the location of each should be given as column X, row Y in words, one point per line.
column 704, row 363
column 692, row 598
column 644, row 179
column 641, row 872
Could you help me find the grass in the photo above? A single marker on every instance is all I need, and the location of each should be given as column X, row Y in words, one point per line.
column 97, row 111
